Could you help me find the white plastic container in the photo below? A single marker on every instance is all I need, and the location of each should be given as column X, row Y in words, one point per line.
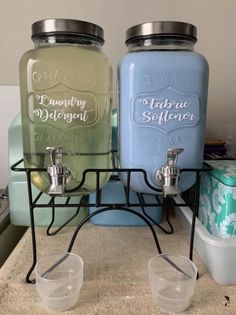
column 217, row 254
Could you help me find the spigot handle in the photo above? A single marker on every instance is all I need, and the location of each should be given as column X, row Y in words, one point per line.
column 56, row 155
column 172, row 156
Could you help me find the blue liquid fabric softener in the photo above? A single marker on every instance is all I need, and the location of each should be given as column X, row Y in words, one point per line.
column 163, row 87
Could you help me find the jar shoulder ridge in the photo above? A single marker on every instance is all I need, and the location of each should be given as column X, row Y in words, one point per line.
column 160, row 56
column 203, row 59
column 27, row 55
column 127, row 58
column 48, row 51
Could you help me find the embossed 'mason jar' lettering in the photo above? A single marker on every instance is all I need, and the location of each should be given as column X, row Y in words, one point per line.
column 168, row 78
column 61, row 77
column 48, row 76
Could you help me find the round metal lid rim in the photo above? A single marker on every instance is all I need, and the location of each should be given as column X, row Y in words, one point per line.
column 66, row 26
column 162, row 28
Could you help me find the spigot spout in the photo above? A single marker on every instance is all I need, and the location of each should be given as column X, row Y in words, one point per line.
column 58, row 173
column 172, row 156
column 168, row 175
column 171, row 191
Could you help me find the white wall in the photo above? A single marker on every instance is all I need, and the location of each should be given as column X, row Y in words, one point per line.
column 215, row 20
column 10, row 105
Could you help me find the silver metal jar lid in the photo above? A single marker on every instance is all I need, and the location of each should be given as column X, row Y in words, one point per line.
column 161, row 28
column 67, row 26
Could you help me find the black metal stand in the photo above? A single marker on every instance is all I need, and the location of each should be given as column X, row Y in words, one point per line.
column 127, row 206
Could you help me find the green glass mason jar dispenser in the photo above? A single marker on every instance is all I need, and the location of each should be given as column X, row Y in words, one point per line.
column 65, row 86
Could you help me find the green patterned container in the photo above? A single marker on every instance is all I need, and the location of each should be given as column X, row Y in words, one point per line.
column 217, row 209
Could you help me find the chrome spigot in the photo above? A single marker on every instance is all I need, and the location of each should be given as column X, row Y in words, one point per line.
column 168, row 174
column 59, row 174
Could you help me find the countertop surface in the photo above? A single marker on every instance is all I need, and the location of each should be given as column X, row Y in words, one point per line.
column 115, row 277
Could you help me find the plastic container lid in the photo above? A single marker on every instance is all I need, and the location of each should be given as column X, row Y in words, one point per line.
column 224, row 171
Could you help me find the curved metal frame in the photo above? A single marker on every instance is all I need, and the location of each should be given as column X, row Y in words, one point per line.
column 34, row 203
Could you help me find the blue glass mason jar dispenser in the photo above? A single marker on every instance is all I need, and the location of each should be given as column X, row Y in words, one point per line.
column 163, row 86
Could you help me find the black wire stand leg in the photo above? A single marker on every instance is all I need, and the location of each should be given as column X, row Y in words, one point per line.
column 33, row 234
column 166, row 208
column 194, row 215
column 52, row 204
